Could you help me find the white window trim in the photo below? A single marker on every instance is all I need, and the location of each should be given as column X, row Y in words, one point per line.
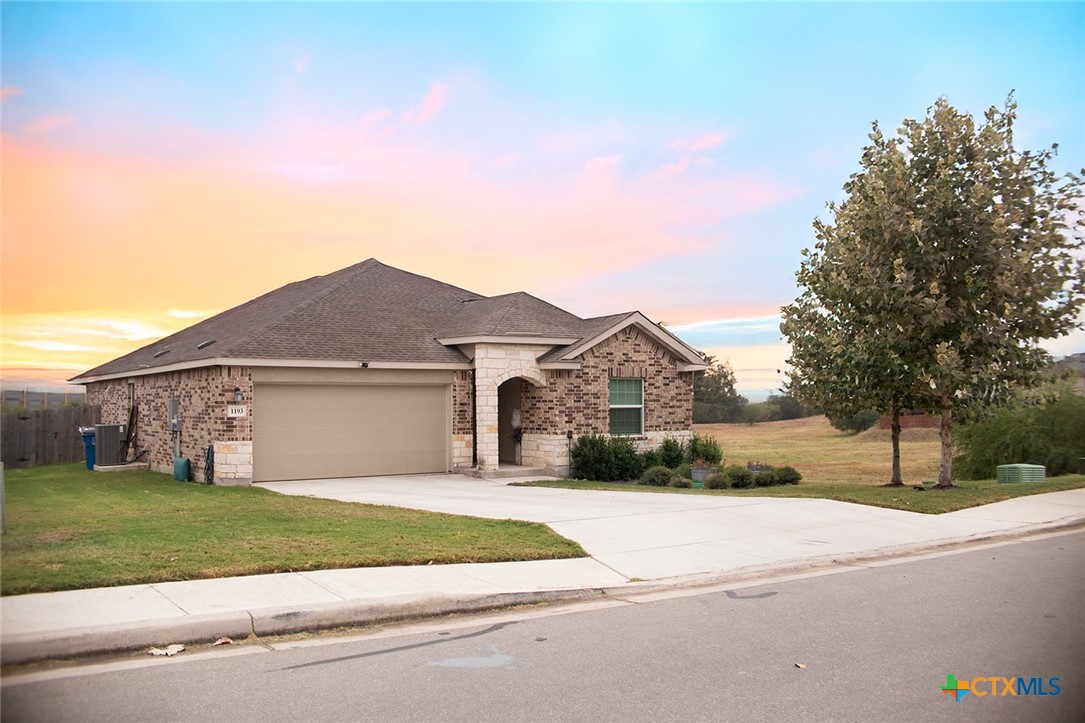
column 640, row 432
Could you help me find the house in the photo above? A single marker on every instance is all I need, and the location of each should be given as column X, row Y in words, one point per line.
column 372, row 370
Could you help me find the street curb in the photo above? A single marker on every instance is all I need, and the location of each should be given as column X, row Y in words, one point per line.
column 199, row 629
column 122, row 637
column 281, row 621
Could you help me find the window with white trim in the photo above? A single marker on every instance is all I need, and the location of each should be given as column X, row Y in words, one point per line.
column 627, row 406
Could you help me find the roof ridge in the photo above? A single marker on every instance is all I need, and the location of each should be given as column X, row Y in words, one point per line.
column 428, row 279
column 508, row 309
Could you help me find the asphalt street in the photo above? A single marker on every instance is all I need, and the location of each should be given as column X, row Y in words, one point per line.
column 875, row 642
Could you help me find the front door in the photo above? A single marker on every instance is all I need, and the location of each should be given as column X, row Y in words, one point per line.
column 508, row 421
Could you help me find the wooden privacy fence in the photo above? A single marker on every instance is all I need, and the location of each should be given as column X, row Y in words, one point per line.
column 45, row 436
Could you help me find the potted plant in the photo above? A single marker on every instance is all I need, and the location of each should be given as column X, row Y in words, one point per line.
column 700, row 471
column 705, row 454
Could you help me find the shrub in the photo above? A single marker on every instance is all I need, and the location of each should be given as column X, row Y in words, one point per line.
column 682, row 482
column 658, row 476
column 589, row 457
column 858, row 422
column 738, row 476
column 651, row 458
column 705, row 449
column 788, row 475
column 1052, row 435
column 671, row 453
column 606, row 459
column 767, row 478
column 717, row 481
column 624, row 459
column 683, row 470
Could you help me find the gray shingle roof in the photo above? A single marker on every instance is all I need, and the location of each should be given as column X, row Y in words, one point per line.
column 517, row 314
column 366, row 312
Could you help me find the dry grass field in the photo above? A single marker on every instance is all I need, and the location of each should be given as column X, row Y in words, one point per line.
column 826, row 456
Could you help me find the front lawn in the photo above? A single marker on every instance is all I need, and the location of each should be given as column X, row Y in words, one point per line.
column 69, row 528
column 929, row 500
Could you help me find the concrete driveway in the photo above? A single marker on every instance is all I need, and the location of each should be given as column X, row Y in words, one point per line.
column 651, row 536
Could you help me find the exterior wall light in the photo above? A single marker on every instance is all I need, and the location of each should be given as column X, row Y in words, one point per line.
column 238, row 396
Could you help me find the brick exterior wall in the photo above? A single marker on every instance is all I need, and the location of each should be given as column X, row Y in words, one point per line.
column 203, row 395
column 462, row 439
column 553, row 402
column 579, row 400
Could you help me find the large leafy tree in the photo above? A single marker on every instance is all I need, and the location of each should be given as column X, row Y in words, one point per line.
column 849, row 329
column 714, row 396
column 953, row 256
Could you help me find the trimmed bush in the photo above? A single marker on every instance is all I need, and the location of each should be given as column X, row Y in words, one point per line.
column 704, row 449
column 681, row 482
column 671, row 453
column 651, row 458
column 683, row 470
column 589, row 457
column 738, row 476
column 624, row 459
column 605, row 459
column 788, row 475
column 658, row 476
column 717, row 481
column 767, row 478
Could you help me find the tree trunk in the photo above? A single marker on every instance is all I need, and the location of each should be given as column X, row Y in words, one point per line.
column 945, row 468
column 898, row 478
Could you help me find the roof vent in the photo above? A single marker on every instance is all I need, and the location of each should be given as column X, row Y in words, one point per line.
column 164, row 352
column 205, row 344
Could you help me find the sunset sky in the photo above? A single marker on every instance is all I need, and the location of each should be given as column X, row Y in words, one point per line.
column 163, row 162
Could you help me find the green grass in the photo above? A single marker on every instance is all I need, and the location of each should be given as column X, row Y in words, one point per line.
column 930, row 501
column 69, row 528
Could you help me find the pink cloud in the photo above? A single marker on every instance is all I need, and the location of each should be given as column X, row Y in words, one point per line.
column 707, row 142
column 675, row 169
column 46, row 124
column 506, row 160
column 431, row 105
column 10, row 91
column 301, row 64
column 704, row 143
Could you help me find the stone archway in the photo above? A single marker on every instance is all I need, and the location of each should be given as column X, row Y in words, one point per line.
column 494, row 366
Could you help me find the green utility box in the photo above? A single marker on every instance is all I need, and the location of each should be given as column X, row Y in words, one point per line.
column 182, row 470
column 1021, row 472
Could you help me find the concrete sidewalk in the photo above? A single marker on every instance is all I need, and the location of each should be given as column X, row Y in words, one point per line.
column 657, row 538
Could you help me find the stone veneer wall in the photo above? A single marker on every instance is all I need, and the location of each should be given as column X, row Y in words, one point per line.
column 495, row 364
column 203, row 395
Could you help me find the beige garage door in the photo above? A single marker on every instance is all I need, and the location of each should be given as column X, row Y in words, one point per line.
column 311, row 431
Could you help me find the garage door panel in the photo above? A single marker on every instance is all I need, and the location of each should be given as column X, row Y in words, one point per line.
column 313, row 431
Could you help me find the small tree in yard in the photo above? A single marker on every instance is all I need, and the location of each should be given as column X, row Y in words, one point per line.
column 714, row 395
column 850, row 328
column 952, row 257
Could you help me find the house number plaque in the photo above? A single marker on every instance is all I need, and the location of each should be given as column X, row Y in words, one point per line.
column 237, row 410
